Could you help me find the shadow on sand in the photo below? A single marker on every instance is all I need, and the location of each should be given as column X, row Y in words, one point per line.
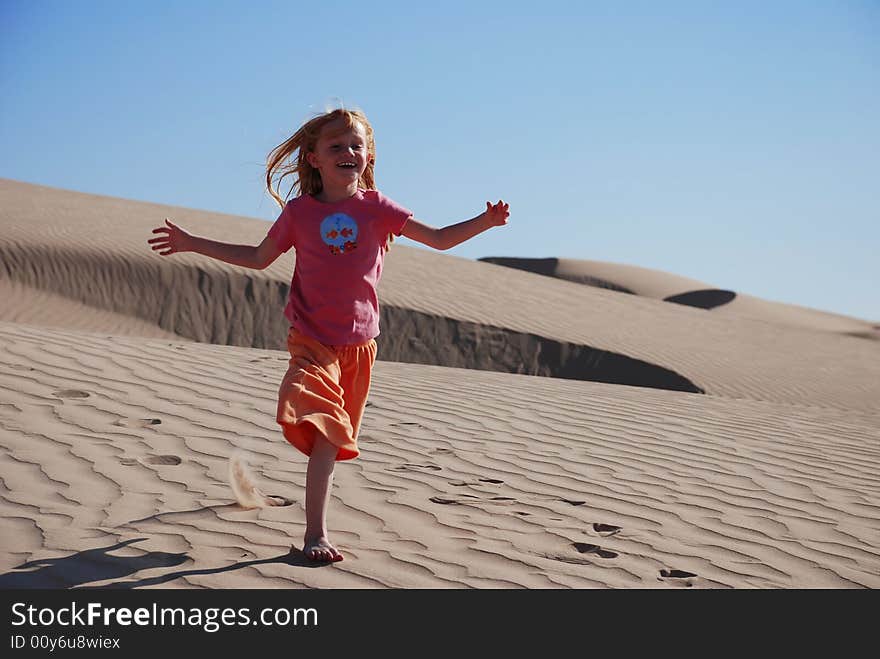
column 95, row 565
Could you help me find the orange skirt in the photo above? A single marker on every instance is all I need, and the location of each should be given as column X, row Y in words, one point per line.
column 325, row 391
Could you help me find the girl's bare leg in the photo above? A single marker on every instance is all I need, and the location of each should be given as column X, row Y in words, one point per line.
column 319, row 478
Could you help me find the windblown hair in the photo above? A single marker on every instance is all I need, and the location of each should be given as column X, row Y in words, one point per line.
column 289, row 157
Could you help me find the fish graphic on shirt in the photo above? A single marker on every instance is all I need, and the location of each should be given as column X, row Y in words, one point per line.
column 339, row 232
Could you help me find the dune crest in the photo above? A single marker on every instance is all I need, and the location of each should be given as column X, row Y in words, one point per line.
column 659, row 285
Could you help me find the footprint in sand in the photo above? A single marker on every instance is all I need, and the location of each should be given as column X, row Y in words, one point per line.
column 72, row 393
column 272, row 501
column 677, row 578
column 676, row 574
column 584, row 548
column 163, row 460
column 606, row 529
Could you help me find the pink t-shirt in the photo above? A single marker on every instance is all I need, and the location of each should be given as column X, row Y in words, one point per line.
column 340, row 249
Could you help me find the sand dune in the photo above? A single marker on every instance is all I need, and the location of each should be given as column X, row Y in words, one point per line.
column 669, row 287
column 28, row 305
column 437, row 309
column 675, row 446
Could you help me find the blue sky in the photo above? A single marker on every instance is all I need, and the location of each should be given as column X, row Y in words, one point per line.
column 737, row 143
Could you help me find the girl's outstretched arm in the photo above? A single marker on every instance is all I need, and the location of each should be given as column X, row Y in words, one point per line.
column 173, row 239
column 495, row 215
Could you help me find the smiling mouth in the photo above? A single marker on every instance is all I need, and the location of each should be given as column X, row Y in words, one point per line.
column 347, row 165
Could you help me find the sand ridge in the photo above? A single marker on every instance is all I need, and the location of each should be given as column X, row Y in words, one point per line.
column 463, row 482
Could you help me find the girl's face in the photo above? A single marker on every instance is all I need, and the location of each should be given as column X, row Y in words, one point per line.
column 341, row 154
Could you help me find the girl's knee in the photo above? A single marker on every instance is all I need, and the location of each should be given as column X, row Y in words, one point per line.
column 322, row 448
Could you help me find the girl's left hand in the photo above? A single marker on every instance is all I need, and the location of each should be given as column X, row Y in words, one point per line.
column 497, row 214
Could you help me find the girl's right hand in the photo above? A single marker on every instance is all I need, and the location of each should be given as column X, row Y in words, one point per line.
column 172, row 239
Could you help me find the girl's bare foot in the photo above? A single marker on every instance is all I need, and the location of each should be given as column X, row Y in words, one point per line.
column 319, row 549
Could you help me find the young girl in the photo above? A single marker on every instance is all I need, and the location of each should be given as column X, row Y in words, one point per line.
column 340, row 227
